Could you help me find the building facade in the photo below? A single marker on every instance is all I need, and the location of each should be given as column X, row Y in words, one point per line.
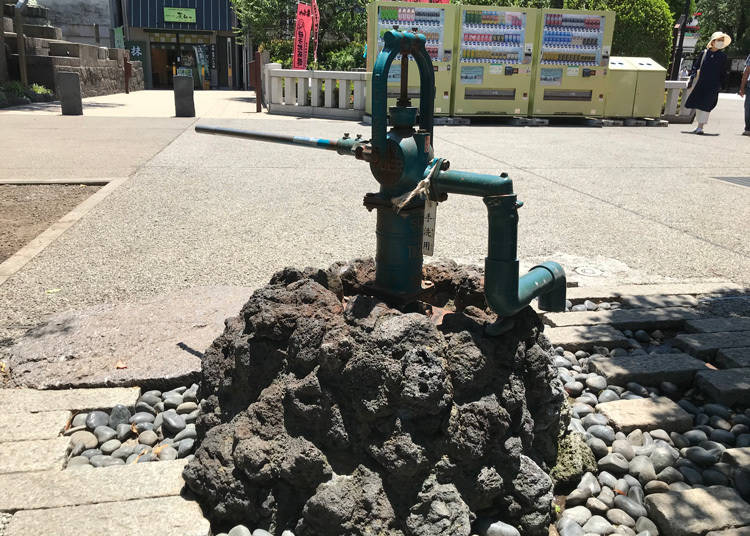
column 184, row 37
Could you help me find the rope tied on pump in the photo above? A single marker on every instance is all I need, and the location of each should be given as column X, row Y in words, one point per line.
column 422, row 188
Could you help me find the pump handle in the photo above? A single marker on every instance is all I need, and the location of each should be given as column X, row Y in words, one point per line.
column 404, row 43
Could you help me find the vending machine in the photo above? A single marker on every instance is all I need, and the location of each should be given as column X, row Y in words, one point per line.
column 438, row 23
column 571, row 73
column 494, row 60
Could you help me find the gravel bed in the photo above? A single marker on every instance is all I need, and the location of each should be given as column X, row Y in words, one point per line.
column 4, row 522
column 632, row 466
column 161, row 427
column 607, row 501
column 588, row 305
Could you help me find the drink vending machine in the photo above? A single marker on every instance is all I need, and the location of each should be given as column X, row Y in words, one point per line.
column 571, row 73
column 438, row 23
column 494, row 60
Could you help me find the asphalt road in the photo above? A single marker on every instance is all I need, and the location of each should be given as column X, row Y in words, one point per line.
column 635, row 205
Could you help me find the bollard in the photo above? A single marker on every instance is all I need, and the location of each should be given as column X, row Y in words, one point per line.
column 69, row 91
column 183, row 96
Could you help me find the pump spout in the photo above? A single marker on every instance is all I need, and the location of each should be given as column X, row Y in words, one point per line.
column 506, row 293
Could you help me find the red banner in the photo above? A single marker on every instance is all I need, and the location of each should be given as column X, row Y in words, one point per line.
column 316, row 27
column 302, row 36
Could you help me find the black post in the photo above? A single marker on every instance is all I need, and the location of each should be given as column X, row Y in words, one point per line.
column 675, row 74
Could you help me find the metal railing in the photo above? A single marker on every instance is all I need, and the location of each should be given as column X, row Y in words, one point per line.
column 674, row 108
column 325, row 94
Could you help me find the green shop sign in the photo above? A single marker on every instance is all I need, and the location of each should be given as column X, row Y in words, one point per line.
column 179, row 14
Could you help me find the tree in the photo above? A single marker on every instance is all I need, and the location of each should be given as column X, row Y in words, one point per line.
column 643, row 28
column 340, row 20
column 266, row 19
column 677, row 7
column 729, row 16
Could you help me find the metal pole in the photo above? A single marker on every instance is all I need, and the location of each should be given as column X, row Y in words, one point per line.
column 125, row 24
column 678, row 51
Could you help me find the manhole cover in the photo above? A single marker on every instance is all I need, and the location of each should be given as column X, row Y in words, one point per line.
column 588, row 271
column 740, row 181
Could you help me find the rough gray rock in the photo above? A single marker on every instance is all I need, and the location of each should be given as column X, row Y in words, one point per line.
column 329, row 415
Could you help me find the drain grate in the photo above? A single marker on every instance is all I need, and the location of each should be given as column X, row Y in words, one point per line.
column 739, row 181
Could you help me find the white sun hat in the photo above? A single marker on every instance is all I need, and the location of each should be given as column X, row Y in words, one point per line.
column 719, row 35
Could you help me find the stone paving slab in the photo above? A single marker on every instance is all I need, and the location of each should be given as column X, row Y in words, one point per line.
column 159, row 341
column 38, row 455
column 584, row 337
column 713, row 325
column 697, row 511
column 648, row 319
column 743, row 531
column 28, row 426
column 73, row 487
column 680, row 300
column 733, row 357
column 729, row 386
column 613, row 292
column 705, row 345
column 165, row 516
column 31, row 400
column 679, row 369
column 646, row 414
column 739, row 457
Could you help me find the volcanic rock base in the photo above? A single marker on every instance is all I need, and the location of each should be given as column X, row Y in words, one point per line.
column 328, row 412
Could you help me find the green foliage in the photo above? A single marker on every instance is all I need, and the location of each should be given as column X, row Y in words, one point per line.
column 332, row 56
column 280, row 51
column 346, row 58
column 677, row 7
column 39, row 89
column 13, row 88
column 270, row 20
column 266, row 19
column 729, row 16
column 643, row 28
column 3, row 99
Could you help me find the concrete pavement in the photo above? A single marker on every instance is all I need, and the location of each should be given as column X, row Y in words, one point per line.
column 623, row 205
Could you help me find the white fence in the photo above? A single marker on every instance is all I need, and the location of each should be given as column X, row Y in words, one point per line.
column 674, row 109
column 327, row 94
column 341, row 95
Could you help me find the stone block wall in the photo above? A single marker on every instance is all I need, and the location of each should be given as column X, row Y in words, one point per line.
column 70, row 14
column 106, row 78
column 102, row 77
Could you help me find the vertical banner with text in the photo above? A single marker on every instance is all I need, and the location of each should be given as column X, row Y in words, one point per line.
column 302, row 36
column 316, row 27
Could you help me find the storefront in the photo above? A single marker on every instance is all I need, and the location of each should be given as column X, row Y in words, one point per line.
column 189, row 37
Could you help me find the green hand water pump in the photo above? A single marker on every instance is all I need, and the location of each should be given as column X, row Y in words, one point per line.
column 402, row 161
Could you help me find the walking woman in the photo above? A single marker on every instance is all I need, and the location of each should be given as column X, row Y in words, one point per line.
column 707, row 77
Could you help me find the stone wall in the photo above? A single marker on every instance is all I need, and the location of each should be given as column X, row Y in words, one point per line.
column 103, row 77
column 76, row 18
column 107, row 79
